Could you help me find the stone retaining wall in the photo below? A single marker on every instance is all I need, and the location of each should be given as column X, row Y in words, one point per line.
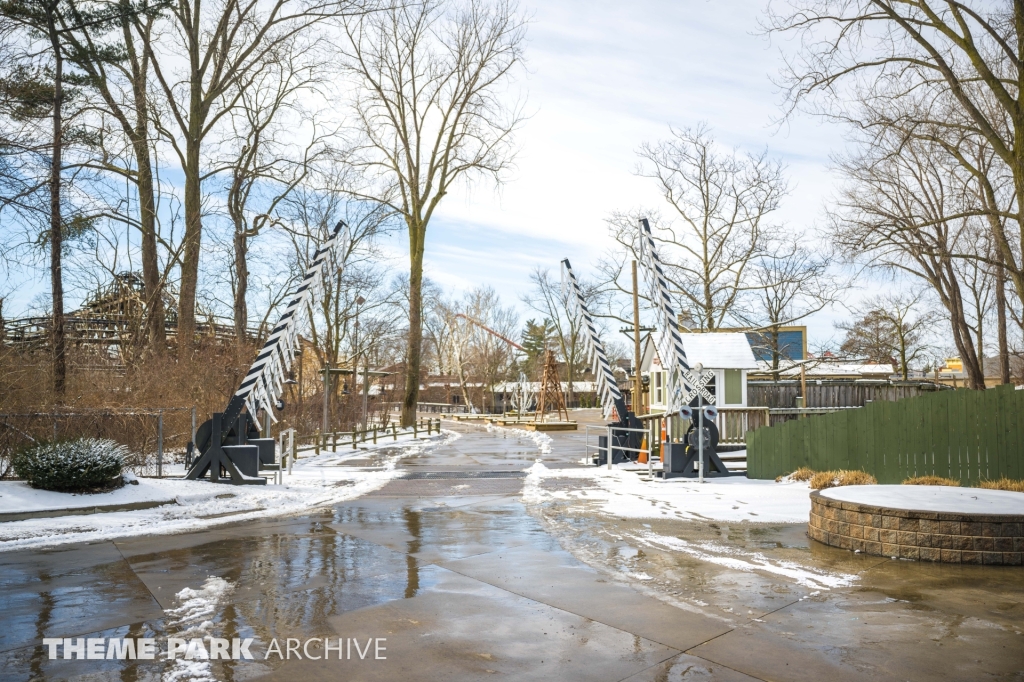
column 919, row 535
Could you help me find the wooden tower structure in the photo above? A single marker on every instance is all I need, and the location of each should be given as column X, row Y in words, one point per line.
column 551, row 397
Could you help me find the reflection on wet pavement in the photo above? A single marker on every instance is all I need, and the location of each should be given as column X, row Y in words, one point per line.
column 466, row 582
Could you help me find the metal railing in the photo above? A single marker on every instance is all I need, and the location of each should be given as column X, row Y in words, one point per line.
column 609, row 433
column 353, row 438
column 432, row 408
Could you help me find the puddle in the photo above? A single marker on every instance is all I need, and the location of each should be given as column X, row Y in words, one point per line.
column 287, row 578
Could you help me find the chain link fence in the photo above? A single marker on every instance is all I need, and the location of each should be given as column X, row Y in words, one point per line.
column 156, row 438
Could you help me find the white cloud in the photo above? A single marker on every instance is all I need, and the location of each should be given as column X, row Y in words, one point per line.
column 605, row 77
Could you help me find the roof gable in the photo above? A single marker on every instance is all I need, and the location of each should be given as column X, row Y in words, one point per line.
column 717, row 350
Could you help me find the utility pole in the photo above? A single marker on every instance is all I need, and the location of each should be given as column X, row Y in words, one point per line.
column 638, row 399
column 803, row 383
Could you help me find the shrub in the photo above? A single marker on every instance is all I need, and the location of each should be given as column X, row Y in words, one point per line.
column 931, row 480
column 835, row 479
column 1004, row 483
column 801, row 474
column 84, row 465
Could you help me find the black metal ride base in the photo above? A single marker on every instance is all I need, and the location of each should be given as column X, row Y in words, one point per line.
column 237, row 463
column 624, row 444
column 714, row 466
column 682, row 459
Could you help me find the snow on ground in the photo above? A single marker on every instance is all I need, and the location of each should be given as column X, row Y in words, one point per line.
column 625, row 494
column 541, row 440
column 315, row 481
column 933, row 498
column 741, row 560
column 620, row 492
column 18, row 496
column 192, row 620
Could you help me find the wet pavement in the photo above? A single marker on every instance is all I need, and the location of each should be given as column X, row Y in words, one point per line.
column 466, row 582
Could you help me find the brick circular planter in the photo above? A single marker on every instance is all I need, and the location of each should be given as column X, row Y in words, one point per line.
column 951, row 537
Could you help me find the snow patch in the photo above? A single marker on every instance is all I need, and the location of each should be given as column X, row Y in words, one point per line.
column 625, row 494
column 542, row 440
column 315, row 481
column 193, row 620
column 740, row 560
column 933, row 498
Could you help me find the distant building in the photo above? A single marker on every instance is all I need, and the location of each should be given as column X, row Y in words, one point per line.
column 792, row 343
column 728, row 354
column 824, row 368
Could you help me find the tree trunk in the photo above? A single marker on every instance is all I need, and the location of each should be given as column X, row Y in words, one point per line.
column 56, row 223
column 1004, row 352
column 156, row 333
column 775, row 356
column 241, row 313
column 953, row 302
column 462, row 383
column 415, row 340
column 190, row 261
column 903, row 356
column 151, row 279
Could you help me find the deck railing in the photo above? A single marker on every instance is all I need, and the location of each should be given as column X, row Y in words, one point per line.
column 735, row 422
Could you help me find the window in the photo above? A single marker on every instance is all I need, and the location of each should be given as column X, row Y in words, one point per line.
column 733, row 387
column 657, row 388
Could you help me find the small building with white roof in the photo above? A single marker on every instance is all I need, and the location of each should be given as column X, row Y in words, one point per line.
column 727, row 354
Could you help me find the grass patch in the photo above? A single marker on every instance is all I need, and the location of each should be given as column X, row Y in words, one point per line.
column 836, row 479
column 931, row 480
column 1003, row 484
column 800, row 475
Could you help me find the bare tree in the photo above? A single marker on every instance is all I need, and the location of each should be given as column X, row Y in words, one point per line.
column 309, row 214
column 431, row 111
column 491, row 358
column 120, row 78
column 905, row 211
column 889, row 329
column 451, row 337
column 720, row 203
column 211, row 55
column 791, row 283
column 265, row 168
column 962, row 59
column 549, row 298
column 467, row 350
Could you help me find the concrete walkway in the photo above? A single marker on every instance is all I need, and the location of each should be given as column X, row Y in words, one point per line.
column 464, row 583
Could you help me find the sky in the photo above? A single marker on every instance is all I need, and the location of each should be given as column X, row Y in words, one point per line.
column 604, row 77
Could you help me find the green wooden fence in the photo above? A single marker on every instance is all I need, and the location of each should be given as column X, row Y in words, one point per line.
column 966, row 435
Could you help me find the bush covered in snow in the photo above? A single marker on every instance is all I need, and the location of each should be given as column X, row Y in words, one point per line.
column 72, row 465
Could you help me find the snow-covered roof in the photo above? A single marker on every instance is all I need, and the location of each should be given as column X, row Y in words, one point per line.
column 726, row 350
column 829, row 369
column 578, row 386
